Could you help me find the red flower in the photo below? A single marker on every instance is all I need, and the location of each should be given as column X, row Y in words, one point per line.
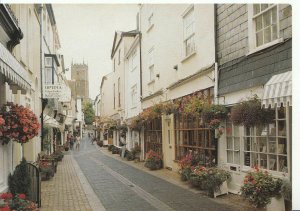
column 6, row 208
column 253, row 182
column 9, row 195
column 2, row 121
column 25, row 129
column 22, row 196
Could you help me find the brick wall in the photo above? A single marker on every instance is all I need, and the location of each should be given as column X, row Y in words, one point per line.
column 238, row 70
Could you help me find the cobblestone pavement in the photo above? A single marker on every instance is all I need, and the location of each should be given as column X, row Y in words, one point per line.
column 66, row 190
column 120, row 186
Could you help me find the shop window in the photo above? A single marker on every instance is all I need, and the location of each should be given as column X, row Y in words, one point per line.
column 192, row 137
column 153, row 136
column 267, row 146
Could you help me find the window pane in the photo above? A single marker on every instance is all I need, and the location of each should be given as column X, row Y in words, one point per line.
column 247, row 159
column 283, row 164
column 272, row 162
column 267, row 35
column 254, row 159
column 282, row 146
column 281, row 128
column 281, row 113
column 256, row 8
column 272, row 145
column 248, row 131
column 262, row 144
column 274, row 15
column 229, row 129
column 272, row 129
column 254, row 146
column 236, row 131
column 237, row 157
column 267, row 19
column 263, row 161
column 229, row 157
column 261, row 130
column 236, row 143
column 258, row 22
column 264, row 6
column 247, row 144
column 229, row 143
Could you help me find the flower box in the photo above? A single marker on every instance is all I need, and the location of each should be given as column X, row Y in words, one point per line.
column 277, row 203
column 223, row 190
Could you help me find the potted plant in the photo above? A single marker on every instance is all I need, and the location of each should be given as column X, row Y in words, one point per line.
column 213, row 180
column 8, row 201
column 136, row 151
column 153, row 160
column 185, row 165
column 261, row 189
column 286, row 191
column 46, row 170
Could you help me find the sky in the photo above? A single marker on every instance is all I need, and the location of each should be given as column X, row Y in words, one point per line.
column 86, row 33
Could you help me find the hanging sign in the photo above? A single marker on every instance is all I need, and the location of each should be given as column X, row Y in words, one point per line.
column 52, row 90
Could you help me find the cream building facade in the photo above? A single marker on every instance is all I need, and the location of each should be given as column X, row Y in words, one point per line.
column 20, row 73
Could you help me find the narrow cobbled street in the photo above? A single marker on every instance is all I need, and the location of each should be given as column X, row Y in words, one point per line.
column 122, row 187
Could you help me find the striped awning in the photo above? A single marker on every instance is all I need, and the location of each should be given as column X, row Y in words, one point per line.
column 13, row 71
column 51, row 122
column 278, row 90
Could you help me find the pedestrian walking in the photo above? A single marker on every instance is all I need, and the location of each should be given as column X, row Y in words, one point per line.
column 71, row 142
column 77, row 142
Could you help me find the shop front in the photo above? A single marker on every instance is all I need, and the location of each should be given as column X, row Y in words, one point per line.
column 267, row 146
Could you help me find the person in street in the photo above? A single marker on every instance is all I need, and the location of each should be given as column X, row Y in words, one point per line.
column 77, row 142
column 71, row 142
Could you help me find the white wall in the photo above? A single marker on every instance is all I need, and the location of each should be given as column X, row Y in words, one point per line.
column 166, row 36
column 132, row 79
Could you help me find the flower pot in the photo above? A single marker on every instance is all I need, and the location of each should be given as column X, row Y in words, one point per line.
column 66, row 148
column 276, row 204
column 223, row 190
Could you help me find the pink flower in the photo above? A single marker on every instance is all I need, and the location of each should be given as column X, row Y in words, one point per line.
column 2, row 121
column 22, row 196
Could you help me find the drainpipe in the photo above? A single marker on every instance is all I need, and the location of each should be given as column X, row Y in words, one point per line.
column 41, row 72
column 216, row 71
column 141, row 81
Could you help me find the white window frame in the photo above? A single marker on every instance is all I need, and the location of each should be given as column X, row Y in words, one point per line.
column 133, row 61
column 189, row 11
column 252, row 29
column 150, row 17
column 234, row 137
column 151, row 65
column 134, row 96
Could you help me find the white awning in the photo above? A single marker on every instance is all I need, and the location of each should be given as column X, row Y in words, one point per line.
column 13, row 71
column 51, row 122
column 278, row 90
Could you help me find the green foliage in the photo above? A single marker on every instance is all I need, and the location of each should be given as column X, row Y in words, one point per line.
column 286, row 189
column 20, row 181
column 89, row 113
column 259, row 187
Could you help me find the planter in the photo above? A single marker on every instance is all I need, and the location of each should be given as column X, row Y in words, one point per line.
column 276, row 204
column 223, row 190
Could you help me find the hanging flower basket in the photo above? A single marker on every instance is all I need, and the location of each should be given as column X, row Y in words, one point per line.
column 20, row 125
column 211, row 112
column 250, row 113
